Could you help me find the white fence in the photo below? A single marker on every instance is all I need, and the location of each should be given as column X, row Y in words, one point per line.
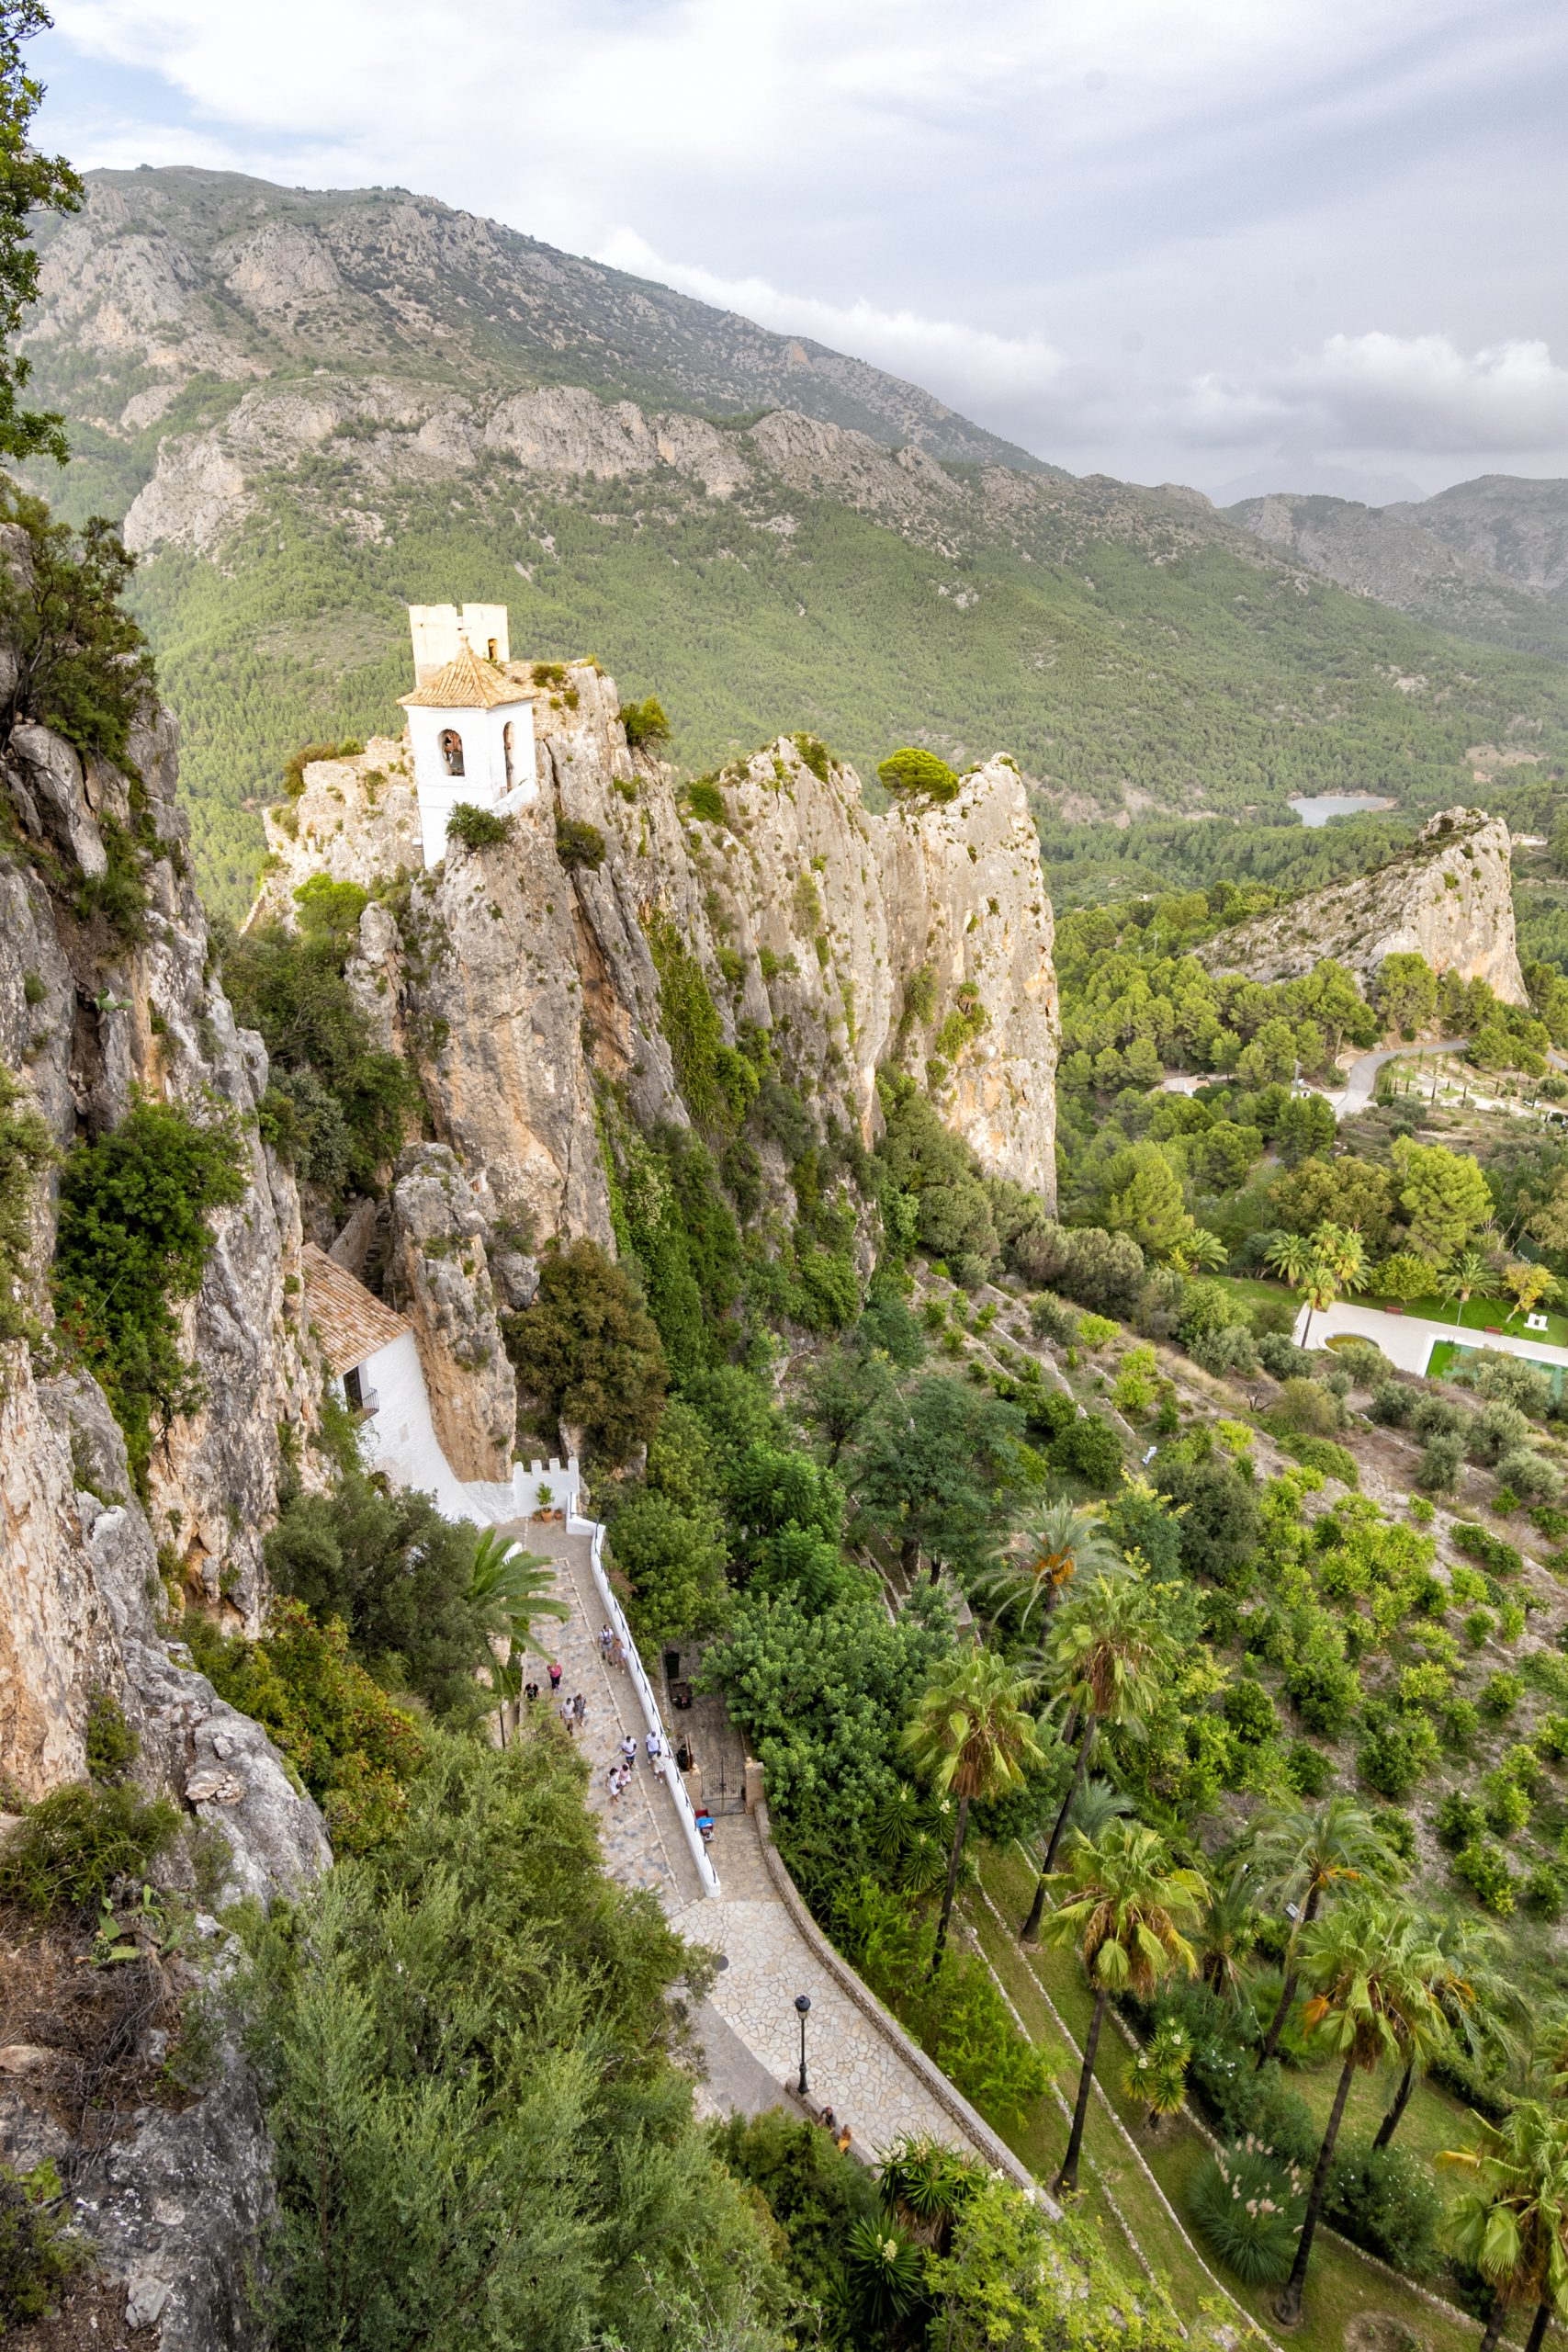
column 615, row 1617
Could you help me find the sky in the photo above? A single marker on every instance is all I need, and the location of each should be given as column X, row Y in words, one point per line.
column 1248, row 244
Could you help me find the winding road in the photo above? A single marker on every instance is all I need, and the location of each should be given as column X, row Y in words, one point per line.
column 1361, row 1083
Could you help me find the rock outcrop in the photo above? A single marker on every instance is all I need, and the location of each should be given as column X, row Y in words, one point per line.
column 1449, row 898
column 438, row 1275
column 523, row 974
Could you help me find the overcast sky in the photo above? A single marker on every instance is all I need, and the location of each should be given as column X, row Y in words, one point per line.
column 1244, row 243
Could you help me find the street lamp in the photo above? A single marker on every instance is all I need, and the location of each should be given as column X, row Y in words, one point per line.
column 802, row 2003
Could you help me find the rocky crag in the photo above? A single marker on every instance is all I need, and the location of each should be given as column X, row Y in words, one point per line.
column 524, row 977
column 91, row 1018
column 1449, row 898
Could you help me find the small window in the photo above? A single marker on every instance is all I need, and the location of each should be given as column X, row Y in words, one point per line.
column 509, row 744
column 353, row 1389
column 493, row 648
column 452, row 751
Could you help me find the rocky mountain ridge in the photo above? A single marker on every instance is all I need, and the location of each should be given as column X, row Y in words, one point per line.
column 1448, row 897
column 1487, row 558
column 171, row 275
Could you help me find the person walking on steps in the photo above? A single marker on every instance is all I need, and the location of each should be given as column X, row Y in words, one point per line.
column 605, row 1638
column 579, row 1709
column 555, row 1675
column 628, row 1752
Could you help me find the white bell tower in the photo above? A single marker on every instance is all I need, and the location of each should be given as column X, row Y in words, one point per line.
column 470, row 718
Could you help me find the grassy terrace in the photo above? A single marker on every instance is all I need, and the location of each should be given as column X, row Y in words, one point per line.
column 1342, row 2287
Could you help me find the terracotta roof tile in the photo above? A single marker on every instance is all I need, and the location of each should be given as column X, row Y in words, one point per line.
column 466, row 684
column 350, row 1321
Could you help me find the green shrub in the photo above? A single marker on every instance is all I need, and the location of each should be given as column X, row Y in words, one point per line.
column 1309, row 1772
column 1249, row 1711
column 113, row 1746
column 579, row 844
column 354, row 1750
column 71, row 1846
column 1321, row 1453
column 1458, row 1820
column 1485, row 1869
column 1442, row 1465
column 913, row 775
column 1507, row 1806
column 1324, row 1689
column 307, row 756
column 1500, row 1694
column 1247, row 2204
column 1397, row 1752
column 706, row 802
column 477, row 827
column 814, row 754
column 1387, row 2201
column 39, row 2253
column 1498, row 1558
column 1541, row 1893
column 646, row 725
column 133, row 1236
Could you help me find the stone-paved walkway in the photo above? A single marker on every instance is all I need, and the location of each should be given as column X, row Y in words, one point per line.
column 644, row 1843
column 748, row 2025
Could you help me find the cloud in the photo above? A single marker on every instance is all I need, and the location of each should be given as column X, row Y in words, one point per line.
column 1382, row 392
column 964, row 365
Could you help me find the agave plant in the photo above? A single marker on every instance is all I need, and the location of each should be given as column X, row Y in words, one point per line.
column 887, row 2271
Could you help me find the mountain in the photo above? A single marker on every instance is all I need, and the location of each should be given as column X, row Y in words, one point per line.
column 312, row 410
column 1488, row 559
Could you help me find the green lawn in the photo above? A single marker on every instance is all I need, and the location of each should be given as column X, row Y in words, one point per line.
column 1341, row 2287
column 1250, row 1291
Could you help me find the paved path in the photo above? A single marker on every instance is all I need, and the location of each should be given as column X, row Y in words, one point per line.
column 861, row 2073
column 1361, row 1083
column 1407, row 1340
column 748, row 2026
column 644, row 1843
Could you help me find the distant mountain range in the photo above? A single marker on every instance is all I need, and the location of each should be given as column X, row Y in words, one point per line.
column 1488, row 559
column 310, row 410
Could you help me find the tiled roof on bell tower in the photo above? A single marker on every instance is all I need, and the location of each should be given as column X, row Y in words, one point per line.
column 468, row 683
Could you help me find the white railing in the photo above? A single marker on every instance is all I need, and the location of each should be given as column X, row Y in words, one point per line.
column 616, row 1618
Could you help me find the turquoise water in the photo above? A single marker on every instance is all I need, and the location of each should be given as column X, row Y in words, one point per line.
column 1316, row 809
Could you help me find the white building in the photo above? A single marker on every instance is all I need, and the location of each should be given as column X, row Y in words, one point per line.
column 470, row 720
column 374, row 1360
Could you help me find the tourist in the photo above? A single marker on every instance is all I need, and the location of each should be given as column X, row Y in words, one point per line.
column 530, row 1691
column 579, row 1707
column 568, row 1718
column 605, row 1638
column 617, row 1655
column 555, row 1675
column 628, row 1753
column 613, row 1782
column 658, row 1766
column 843, row 2141
column 654, row 1744
column 827, row 2119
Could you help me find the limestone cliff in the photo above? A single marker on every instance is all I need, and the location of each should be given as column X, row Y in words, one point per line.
column 1449, row 898
column 108, row 993
column 522, row 973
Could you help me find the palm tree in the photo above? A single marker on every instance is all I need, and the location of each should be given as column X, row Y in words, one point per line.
column 508, row 1587
column 1367, row 1969
column 1226, row 1934
column 1062, row 1543
column 1474, row 1995
column 970, row 1736
column 1466, row 1274
column 1107, row 1653
column 1513, row 2226
column 1200, row 1252
column 1341, row 1249
column 1290, row 1254
column 1124, row 1905
column 1298, row 1853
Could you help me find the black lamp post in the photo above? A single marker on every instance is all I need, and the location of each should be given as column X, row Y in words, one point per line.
column 802, row 2003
